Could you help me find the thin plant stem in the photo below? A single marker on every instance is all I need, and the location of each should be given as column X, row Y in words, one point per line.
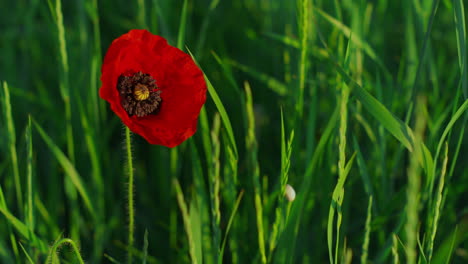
column 131, row 220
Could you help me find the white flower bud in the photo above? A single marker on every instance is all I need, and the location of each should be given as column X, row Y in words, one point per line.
column 290, row 193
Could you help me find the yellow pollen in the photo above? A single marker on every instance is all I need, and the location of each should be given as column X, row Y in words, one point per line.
column 141, row 92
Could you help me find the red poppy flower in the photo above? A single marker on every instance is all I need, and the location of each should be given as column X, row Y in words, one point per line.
column 156, row 89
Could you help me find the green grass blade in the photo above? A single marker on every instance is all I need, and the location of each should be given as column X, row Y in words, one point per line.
column 457, row 236
column 442, row 139
column 227, row 70
column 182, row 25
column 365, row 244
column 94, row 153
column 422, row 55
column 20, row 227
column 10, row 218
column 413, row 191
column 395, row 126
column 452, row 244
column 64, row 79
column 26, row 254
column 186, row 220
column 457, row 149
column 145, row 247
column 270, row 82
column 288, row 41
column 12, row 145
column 68, row 168
column 363, row 170
column 203, row 204
column 111, row 259
column 30, row 190
column 356, row 40
column 396, row 258
column 228, row 227
column 303, row 60
column 459, row 16
column 141, row 14
column 196, row 226
column 222, row 112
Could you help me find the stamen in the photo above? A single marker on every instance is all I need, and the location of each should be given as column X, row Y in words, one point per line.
column 139, row 94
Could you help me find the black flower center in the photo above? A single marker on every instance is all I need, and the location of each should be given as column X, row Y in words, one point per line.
column 139, row 94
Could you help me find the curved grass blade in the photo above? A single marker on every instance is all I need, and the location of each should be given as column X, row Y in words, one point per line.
column 447, row 129
column 52, row 257
column 222, row 112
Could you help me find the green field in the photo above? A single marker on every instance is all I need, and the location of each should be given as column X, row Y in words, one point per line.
column 360, row 106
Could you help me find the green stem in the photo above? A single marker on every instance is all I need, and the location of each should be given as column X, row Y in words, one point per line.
column 131, row 221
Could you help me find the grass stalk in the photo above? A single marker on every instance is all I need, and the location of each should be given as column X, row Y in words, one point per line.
column 413, row 189
column 251, row 145
column 338, row 192
column 29, row 173
column 396, row 258
column 130, row 193
column 214, row 185
column 64, row 80
column 365, row 245
column 304, row 29
column 437, row 207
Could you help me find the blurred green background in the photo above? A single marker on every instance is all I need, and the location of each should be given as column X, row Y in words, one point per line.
column 343, row 100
